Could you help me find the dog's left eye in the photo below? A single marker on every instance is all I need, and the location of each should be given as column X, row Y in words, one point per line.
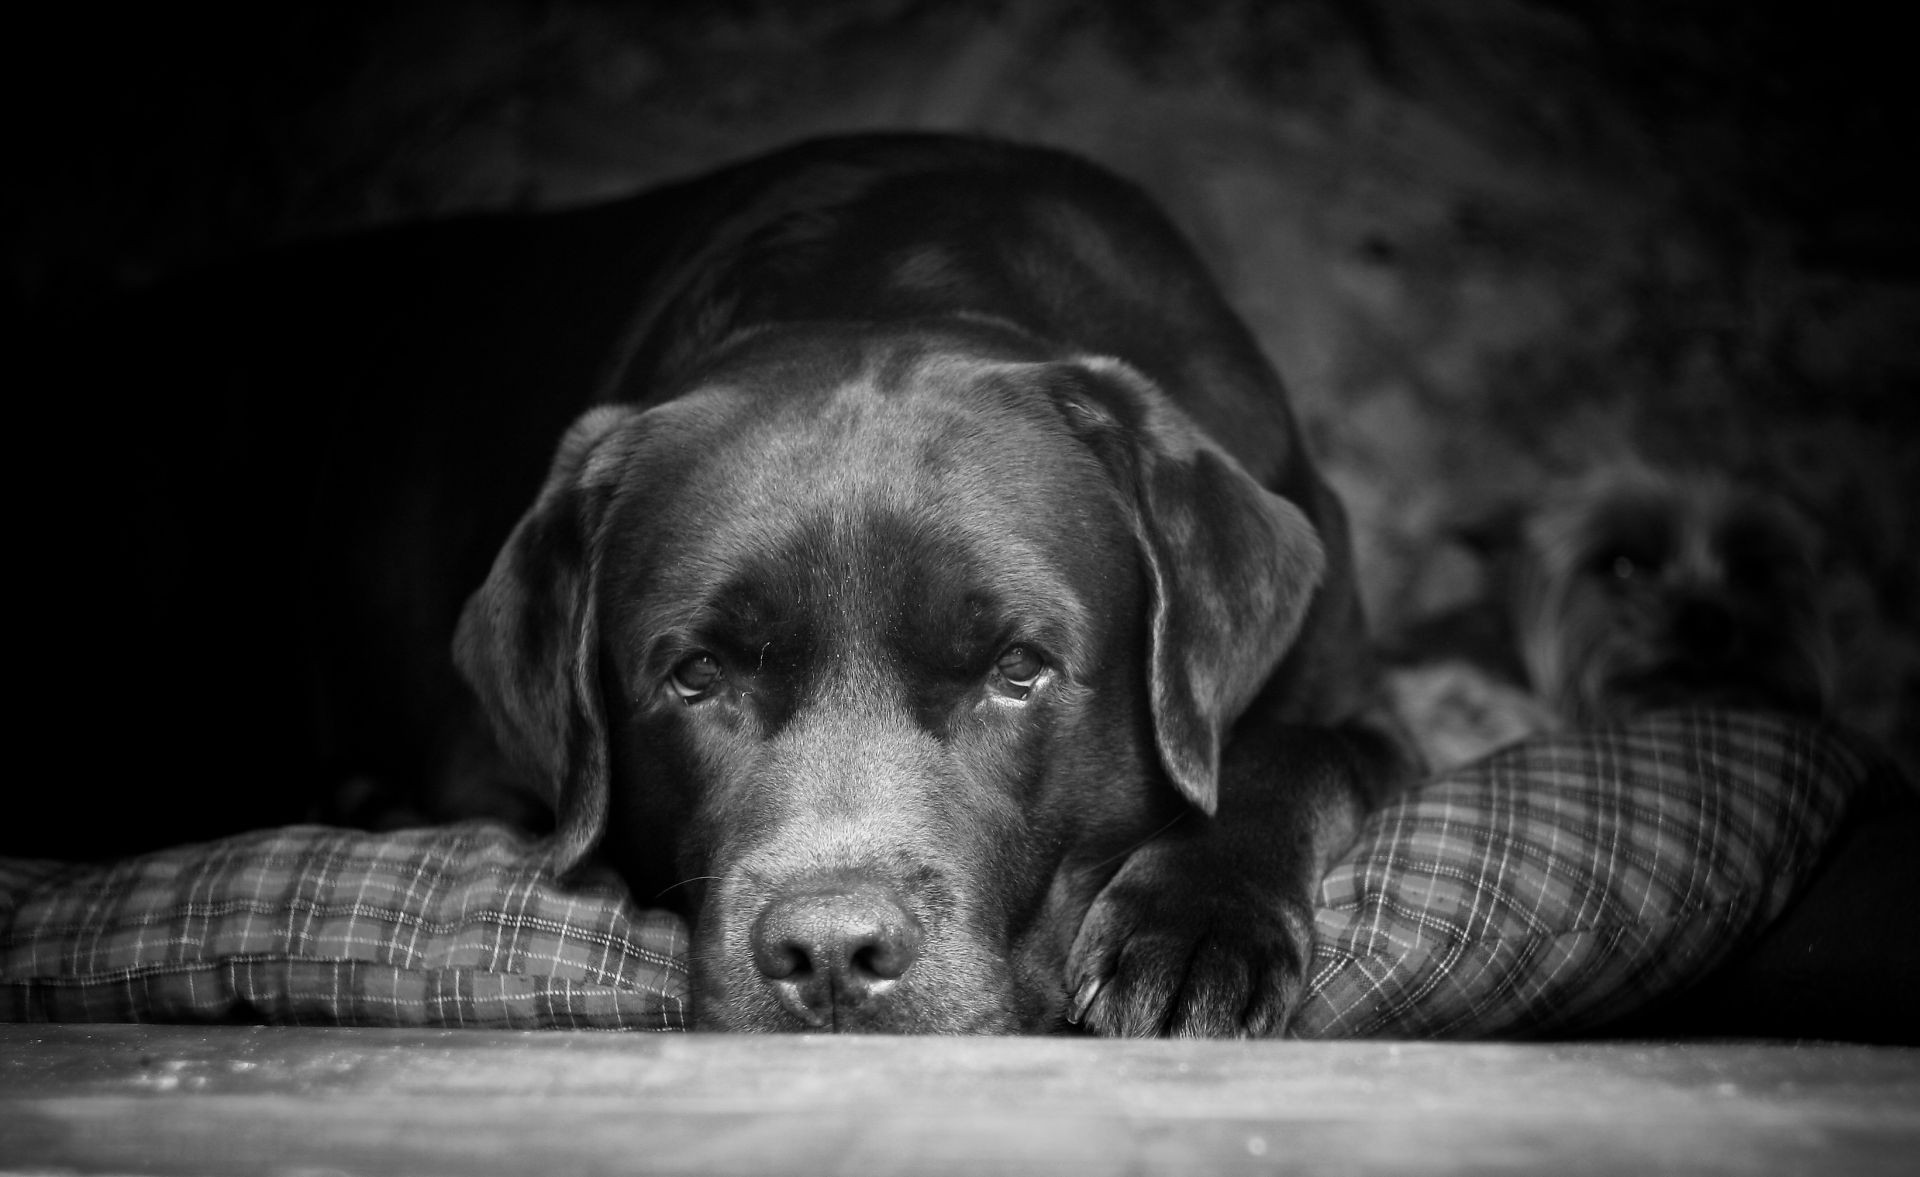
column 1018, row 668
column 1759, row 573
column 696, row 675
column 1625, row 568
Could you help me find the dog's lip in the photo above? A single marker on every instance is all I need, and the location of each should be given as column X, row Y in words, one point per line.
column 772, row 1018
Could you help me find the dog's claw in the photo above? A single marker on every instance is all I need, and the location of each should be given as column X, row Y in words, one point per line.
column 1082, row 999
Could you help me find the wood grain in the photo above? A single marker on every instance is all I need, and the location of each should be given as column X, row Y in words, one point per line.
column 152, row 1099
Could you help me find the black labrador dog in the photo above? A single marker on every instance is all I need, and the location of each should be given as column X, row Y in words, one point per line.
column 935, row 600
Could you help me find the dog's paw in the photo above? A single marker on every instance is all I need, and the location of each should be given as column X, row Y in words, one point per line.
column 1176, row 946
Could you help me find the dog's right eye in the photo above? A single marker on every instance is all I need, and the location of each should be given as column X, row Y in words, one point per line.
column 1623, row 567
column 695, row 676
column 1018, row 668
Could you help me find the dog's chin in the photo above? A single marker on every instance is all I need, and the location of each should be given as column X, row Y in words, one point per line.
column 1675, row 684
column 761, row 1017
column 911, row 1007
column 1596, row 671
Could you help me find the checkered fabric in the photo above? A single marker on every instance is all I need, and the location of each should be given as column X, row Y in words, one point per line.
column 1566, row 882
column 455, row 926
column 1551, row 887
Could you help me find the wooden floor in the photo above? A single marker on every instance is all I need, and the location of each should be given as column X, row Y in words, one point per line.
column 149, row 1099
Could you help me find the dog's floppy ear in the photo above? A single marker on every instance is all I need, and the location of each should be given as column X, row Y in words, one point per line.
column 527, row 642
column 1231, row 566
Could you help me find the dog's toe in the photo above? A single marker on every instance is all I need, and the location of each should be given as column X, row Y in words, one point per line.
column 1220, row 960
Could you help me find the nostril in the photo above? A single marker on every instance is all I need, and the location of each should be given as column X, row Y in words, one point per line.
column 884, row 958
column 781, row 960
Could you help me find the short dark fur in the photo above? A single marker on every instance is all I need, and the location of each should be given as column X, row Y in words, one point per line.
column 903, row 415
column 940, row 606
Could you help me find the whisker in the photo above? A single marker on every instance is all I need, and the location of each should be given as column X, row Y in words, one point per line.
column 1177, row 818
column 684, row 882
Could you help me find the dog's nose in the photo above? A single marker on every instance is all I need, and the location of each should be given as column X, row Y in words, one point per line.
column 1705, row 629
column 831, row 952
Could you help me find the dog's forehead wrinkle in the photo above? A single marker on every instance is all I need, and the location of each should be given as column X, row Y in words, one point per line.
column 812, row 486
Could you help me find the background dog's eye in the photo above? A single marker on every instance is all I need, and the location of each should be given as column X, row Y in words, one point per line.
column 1019, row 668
column 696, row 675
column 1625, row 568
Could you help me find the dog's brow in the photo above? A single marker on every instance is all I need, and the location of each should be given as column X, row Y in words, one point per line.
column 1763, row 534
column 1641, row 530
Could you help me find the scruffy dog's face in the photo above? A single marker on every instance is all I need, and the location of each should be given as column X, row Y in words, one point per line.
column 1642, row 590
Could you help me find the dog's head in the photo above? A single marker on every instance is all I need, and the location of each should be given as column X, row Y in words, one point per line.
column 1640, row 589
column 877, row 653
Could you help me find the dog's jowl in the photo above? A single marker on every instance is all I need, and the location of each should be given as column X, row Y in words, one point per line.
column 932, row 595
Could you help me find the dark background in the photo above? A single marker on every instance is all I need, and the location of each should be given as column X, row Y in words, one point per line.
column 1488, row 242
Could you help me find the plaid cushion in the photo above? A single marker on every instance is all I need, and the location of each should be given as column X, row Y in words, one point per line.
column 1548, row 888
column 454, row 926
column 1568, row 881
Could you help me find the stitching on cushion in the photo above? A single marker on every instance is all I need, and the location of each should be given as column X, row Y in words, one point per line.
column 1761, row 797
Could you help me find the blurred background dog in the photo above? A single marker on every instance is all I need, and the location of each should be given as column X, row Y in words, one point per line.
column 1622, row 591
column 1639, row 589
